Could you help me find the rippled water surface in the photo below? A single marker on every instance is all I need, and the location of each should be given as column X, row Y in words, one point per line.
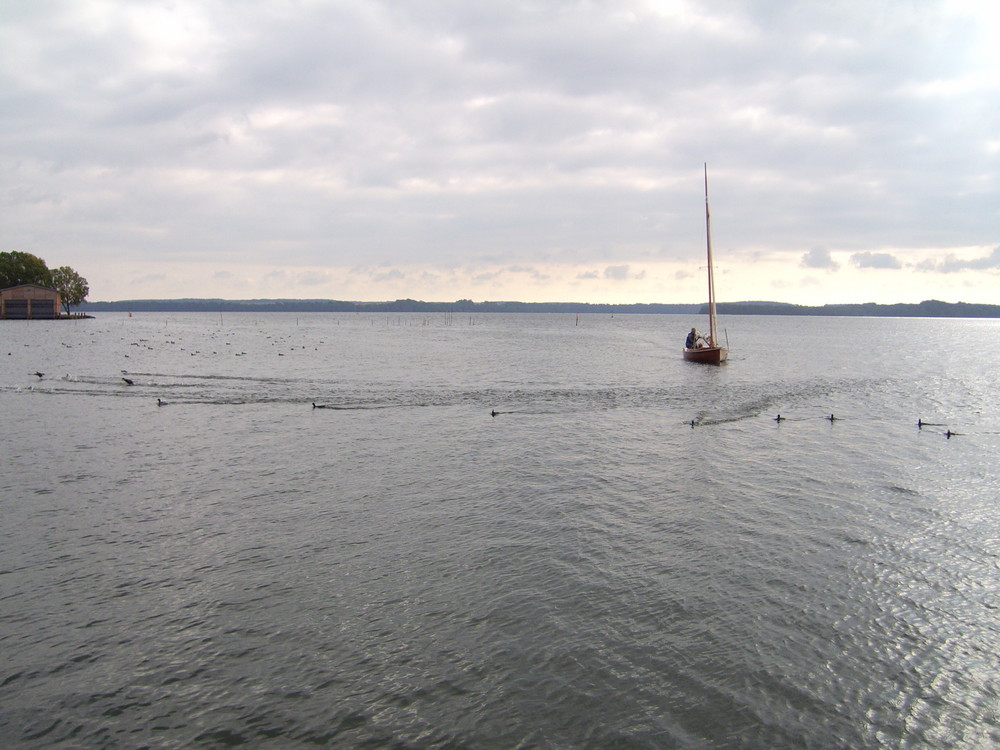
column 632, row 553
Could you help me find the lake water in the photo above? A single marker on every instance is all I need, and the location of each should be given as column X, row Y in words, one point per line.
column 632, row 553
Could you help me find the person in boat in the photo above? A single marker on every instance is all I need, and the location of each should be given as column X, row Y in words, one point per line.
column 695, row 340
column 692, row 339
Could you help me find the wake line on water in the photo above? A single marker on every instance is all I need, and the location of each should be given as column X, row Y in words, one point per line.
column 361, row 407
column 221, row 378
column 532, row 412
column 517, row 402
column 703, row 421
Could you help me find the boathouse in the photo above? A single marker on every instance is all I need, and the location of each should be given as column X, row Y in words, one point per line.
column 29, row 302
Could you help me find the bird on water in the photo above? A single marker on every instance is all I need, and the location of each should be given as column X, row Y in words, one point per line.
column 127, row 381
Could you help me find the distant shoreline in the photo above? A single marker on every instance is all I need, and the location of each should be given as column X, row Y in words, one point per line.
column 925, row 309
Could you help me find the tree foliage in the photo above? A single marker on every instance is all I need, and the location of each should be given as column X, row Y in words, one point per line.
column 72, row 287
column 18, row 268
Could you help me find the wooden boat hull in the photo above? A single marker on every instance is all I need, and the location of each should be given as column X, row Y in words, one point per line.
column 709, row 355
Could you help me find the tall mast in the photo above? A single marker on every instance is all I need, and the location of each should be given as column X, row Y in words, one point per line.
column 711, row 278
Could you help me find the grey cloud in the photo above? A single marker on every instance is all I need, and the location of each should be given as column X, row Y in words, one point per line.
column 312, row 278
column 951, row 264
column 616, row 272
column 819, row 257
column 978, row 264
column 622, row 273
column 534, row 274
column 875, row 260
column 530, row 271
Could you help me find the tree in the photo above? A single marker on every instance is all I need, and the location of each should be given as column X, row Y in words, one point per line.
column 18, row 268
column 72, row 287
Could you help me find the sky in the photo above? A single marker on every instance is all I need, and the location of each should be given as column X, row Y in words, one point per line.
column 548, row 151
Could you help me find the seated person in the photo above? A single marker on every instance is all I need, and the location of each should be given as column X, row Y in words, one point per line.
column 692, row 338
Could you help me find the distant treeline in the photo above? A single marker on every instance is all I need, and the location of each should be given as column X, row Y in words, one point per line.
column 926, row 309
column 398, row 306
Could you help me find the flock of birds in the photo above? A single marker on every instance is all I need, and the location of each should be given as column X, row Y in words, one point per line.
column 948, row 433
column 143, row 343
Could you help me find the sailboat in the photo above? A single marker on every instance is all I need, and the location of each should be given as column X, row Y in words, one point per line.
column 707, row 349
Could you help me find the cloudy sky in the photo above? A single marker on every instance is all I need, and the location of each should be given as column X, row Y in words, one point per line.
column 504, row 149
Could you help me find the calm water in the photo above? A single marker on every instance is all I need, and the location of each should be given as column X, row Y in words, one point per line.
column 587, row 569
